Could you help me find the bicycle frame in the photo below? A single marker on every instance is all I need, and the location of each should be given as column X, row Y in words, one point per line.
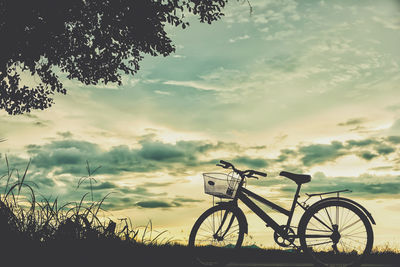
column 244, row 195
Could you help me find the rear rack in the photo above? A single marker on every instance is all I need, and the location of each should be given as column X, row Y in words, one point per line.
column 325, row 193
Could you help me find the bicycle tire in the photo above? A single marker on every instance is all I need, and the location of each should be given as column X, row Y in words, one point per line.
column 205, row 244
column 347, row 245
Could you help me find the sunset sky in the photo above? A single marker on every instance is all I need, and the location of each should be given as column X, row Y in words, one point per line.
column 303, row 86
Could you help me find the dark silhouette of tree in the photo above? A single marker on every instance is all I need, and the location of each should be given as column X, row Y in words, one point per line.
column 89, row 40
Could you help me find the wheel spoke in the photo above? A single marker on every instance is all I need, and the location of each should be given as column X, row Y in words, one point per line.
column 329, row 217
column 317, row 236
column 362, row 243
column 351, row 224
column 318, row 230
column 324, row 224
column 354, row 230
column 220, row 228
column 354, row 233
column 351, row 238
column 337, row 215
column 321, row 243
column 348, row 220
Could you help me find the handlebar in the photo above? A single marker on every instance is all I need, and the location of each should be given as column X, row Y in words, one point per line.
column 260, row 173
column 224, row 164
column 247, row 173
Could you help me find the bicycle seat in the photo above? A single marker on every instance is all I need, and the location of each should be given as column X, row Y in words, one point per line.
column 297, row 178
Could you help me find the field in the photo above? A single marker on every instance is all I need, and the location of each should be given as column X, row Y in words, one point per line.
column 45, row 233
column 116, row 252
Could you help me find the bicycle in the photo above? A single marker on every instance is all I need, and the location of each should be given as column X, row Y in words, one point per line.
column 334, row 230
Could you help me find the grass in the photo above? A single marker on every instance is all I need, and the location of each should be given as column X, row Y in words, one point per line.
column 48, row 233
column 71, row 231
column 89, row 177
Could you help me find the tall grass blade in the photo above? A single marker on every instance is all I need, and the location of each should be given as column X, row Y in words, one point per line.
column 155, row 238
column 9, row 175
column 23, row 177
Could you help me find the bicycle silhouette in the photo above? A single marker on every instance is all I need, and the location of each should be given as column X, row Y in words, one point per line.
column 334, row 230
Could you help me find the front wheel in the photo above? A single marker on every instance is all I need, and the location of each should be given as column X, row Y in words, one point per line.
column 336, row 233
column 217, row 231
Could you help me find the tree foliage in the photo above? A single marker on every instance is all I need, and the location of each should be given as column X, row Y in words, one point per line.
column 89, row 40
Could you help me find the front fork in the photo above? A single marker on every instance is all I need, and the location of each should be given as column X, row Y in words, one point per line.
column 221, row 237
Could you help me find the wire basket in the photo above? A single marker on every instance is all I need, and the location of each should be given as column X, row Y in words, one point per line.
column 221, row 184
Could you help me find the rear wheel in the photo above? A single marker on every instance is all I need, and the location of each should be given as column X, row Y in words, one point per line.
column 216, row 232
column 336, row 233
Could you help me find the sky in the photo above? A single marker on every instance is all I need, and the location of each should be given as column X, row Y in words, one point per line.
column 303, row 86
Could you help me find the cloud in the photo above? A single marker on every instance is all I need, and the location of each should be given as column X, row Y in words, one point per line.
column 150, row 184
column 295, row 168
column 394, row 107
column 388, row 23
column 40, row 124
column 362, row 186
column 286, row 154
column 320, row 153
column 280, row 35
column 222, row 81
column 102, row 186
column 384, row 149
column 366, row 155
column 200, row 85
column 138, row 191
column 178, row 56
column 187, row 200
column 58, row 164
column 352, row 122
column 69, row 156
column 152, row 204
column 395, row 128
column 41, row 180
column 239, row 38
column 361, row 143
column 362, row 189
column 279, row 12
column 67, row 134
column 315, row 154
column 319, row 175
column 381, row 168
column 162, row 92
column 283, row 63
column 150, row 155
column 64, row 154
column 174, row 203
column 159, row 151
column 394, row 139
column 255, row 163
